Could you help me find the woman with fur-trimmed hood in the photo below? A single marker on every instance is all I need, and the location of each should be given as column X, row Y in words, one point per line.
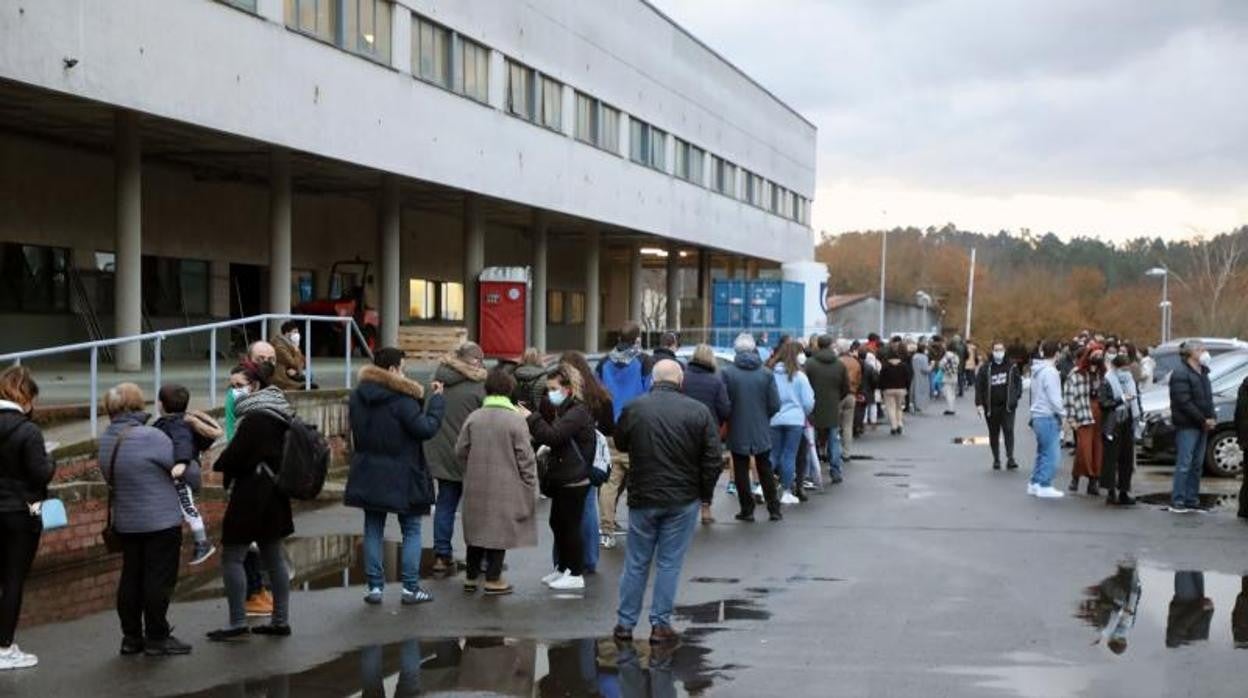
column 462, row 374
column 389, row 426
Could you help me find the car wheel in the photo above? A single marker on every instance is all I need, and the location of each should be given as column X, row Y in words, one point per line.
column 1225, row 458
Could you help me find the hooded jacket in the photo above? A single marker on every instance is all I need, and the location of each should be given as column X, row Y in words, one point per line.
column 673, row 449
column 25, row 469
column 464, row 392
column 625, row 373
column 796, row 398
column 830, row 380
column 755, row 400
column 389, row 428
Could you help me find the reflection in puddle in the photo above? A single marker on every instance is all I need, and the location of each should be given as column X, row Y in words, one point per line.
column 499, row 666
column 1183, row 603
column 713, row 612
column 885, row 473
column 714, row 580
column 1208, row 500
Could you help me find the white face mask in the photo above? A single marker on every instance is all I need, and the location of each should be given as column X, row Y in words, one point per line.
column 556, row 397
column 998, row 356
column 295, row 339
column 240, row 393
column 1109, row 358
column 1205, row 358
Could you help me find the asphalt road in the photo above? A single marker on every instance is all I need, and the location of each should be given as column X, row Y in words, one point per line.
column 924, row 574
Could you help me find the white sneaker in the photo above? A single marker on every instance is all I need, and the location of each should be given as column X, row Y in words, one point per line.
column 550, row 578
column 568, row 582
column 757, row 490
column 607, row 541
column 1049, row 493
column 15, row 658
column 788, row 498
column 1032, row 489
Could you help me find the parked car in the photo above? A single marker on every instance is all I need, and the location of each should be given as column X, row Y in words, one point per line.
column 1168, row 359
column 1223, row 457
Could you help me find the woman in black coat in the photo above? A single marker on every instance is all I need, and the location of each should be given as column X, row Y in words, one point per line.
column 257, row 511
column 704, row 383
column 25, row 472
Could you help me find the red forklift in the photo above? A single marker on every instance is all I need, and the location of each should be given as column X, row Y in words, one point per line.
column 347, row 281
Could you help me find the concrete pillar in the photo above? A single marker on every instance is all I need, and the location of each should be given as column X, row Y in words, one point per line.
column 704, row 288
column 673, row 288
column 474, row 259
column 279, row 233
column 541, row 250
column 636, row 287
column 593, row 288
column 389, row 255
column 128, row 289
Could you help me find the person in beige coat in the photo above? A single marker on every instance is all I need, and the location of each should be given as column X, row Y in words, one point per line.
column 500, row 484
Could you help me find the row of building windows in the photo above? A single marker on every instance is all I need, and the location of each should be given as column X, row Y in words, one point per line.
column 443, row 57
column 434, row 301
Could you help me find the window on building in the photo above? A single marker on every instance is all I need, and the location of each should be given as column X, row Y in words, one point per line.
column 658, row 149
column 724, row 176
column 249, row 5
column 681, row 166
column 609, row 129
column 175, row 287
column 431, row 52
column 776, row 195
column 302, row 285
column 520, row 90
column 689, row 162
column 586, row 118
column 367, row 27
column 638, row 147
column 435, row 300
column 576, row 308
column 34, row 278
column 474, row 79
column 552, row 103
column 452, row 301
column 554, row 307
column 647, row 144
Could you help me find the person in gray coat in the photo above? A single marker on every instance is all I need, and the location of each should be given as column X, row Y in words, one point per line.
column 462, row 375
column 921, row 382
column 137, row 463
column 755, row 400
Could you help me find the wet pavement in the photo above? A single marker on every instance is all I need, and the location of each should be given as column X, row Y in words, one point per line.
column 926, row 573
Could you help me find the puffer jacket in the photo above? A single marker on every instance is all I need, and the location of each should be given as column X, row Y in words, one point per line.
column 389, row 427
column 530, row 386
column 752, row 392
column 830, row 381
column 673, row 449
column 1191, row 397
column 25, row 469
column 464, row 392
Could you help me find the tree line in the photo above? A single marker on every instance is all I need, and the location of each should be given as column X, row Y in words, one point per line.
column 1030, row 286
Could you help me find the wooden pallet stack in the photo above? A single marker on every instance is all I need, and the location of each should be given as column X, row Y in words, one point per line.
column 430, row 342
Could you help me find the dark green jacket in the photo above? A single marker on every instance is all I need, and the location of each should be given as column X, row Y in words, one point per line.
column 830, row 380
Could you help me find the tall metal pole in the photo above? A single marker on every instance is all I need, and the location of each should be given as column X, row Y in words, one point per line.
column 883, row 269
column 1165, row 307
column 970, row 296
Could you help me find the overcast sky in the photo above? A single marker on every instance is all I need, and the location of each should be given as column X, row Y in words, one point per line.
column 1084, row 117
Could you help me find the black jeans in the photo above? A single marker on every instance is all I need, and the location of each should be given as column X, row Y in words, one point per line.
column 19, row 539
column 766, row 480
column 567, row 508
column 1118, row 461
column 493, row 562
column 1001, row 423
column 800, row 464
column 149, row 572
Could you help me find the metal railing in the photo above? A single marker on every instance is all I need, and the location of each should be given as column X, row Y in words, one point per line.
column 351, row 330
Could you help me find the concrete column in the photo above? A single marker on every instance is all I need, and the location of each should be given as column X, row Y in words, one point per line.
column 636, row 287
column 673, row 287
column 704, row 287
column 389, row 255
column 474, row 259
column 128, row 289
column 541, row 249
column 593, row 288
column 279, row 233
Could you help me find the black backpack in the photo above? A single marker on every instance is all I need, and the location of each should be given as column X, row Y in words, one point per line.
column 305, row 461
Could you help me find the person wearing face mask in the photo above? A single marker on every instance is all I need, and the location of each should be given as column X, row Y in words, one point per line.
column 1191, row 410
column 1083, row 410
column 1120, row 410
column 25, row 471
column 1047, row 414
column 288, row 358
column 571, row 438
column 998, row 388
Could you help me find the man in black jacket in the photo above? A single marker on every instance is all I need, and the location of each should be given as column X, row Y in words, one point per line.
column 672, row 442
column 998, row 387
column 1241, row 429
column 1191, row 409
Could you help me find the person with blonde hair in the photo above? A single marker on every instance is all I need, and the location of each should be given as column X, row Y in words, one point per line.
column 462, row 373
column 25, row 471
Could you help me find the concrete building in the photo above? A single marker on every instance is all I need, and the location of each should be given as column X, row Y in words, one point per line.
column 854, row 316
column 164, row 163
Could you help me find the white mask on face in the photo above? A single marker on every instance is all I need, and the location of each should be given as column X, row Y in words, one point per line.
column 556, row 397
column 295, row 339
column 240, row 393
column 1205, row 358
column 998, row 356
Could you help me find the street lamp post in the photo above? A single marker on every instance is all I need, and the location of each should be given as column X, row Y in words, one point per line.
column 883, row 266
column 1164, row 273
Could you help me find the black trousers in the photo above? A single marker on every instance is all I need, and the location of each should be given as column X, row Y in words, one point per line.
column 493, row 562
column 19, row 540
column 766, row 480
column 1118, row 461
column 149, row 572
column 801, row 464
column 567, row 507
column 1001, row 423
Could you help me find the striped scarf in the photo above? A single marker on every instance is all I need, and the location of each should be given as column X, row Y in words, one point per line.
column 270, row 400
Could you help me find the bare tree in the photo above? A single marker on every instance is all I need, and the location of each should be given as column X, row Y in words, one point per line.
column 1211, row 272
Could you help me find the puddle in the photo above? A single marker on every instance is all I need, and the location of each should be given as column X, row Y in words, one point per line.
column 715, row 580
column 804, row 578
column 713, row 612
column 1142, row 605
column 885, row 473
column 971, row 440
column 1211, row 501
column 499, row 666
column 903, row 485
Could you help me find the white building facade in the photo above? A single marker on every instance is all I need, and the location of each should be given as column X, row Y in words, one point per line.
column 174, row 161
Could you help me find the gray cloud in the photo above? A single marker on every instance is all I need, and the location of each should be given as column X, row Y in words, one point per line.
column 1001, row 96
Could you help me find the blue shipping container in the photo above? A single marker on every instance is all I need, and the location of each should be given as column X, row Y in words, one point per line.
column 763, row 307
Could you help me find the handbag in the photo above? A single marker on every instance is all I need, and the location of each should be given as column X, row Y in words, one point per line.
column 52, row 512
column 112, row 541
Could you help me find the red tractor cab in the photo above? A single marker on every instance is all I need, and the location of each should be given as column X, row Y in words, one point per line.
column 347, row 282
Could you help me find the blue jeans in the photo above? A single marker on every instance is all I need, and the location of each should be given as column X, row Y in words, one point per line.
column 589, row 534
column 662, row 536
column 784, row 444
column 1048, row 431
column 373, row 675
column 409, row 557
column 449, row 494
column 835, row 452
column 1189, row 462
